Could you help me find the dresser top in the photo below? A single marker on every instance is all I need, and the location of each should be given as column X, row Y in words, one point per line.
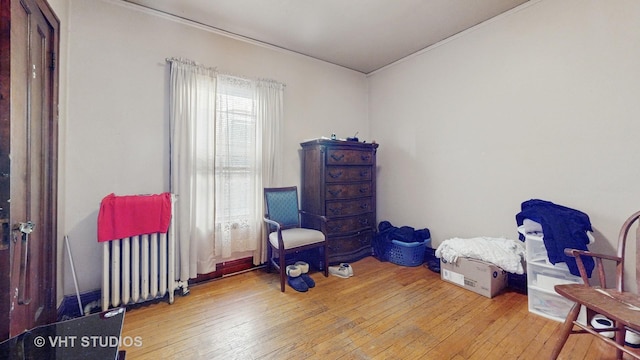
column 341, row 143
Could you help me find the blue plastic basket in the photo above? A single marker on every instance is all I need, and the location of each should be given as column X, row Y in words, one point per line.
column 407, row 254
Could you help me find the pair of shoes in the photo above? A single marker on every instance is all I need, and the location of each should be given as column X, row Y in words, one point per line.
column 631, row 337
column 298, row 278
column 348, row 267
column 305, row 273
column 343, row 270
column 602, row 322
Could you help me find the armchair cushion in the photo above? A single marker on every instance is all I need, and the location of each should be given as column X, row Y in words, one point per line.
column 296, row 237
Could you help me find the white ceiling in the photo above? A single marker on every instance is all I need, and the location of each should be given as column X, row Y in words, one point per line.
column 363, row 35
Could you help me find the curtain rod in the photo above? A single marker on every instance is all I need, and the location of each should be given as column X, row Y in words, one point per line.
column 193, row 63
column 189, row 62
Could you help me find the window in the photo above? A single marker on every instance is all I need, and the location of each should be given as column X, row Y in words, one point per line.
column 237, row 173
column 225, row 148
column 235, row 144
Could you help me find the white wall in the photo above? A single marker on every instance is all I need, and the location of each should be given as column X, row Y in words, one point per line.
column 117, row 124
column 541, row 102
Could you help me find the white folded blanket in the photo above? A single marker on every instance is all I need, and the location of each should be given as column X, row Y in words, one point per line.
column 506, row 253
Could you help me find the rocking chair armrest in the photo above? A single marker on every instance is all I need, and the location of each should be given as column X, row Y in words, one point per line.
column 575, row 253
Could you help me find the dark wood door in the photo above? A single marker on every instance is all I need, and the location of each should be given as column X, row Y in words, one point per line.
column 28, row 164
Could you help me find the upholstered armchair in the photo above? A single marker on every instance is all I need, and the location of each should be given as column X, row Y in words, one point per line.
column 285, row 236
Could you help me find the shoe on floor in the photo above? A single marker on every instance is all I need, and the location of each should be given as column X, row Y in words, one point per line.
column 339, row 271
column 294, row 279
column 601, row 322
column 433, row 265
column 304, row 268
column 349, row 268
column 632, row 339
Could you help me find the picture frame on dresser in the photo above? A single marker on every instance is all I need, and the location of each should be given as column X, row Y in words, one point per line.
column 339, row 182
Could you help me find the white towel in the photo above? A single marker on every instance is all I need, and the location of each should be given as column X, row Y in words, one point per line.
column 506, row 253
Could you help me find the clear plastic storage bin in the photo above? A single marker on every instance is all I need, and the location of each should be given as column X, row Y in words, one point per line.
column 549, row 305
column 542, row 276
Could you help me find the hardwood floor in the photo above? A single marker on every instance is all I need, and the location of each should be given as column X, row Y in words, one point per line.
column 384, row 312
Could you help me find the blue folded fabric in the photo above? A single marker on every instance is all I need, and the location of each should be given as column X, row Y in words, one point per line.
column 563, row 228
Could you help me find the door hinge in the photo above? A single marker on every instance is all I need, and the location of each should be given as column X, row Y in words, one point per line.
column 53, row 61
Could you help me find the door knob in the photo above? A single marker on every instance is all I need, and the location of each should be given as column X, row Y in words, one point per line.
column 26, row 228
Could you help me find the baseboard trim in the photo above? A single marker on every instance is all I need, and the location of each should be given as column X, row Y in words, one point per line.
column 225, row 269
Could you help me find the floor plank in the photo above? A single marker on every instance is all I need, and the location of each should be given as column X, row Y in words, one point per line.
column 384, row 311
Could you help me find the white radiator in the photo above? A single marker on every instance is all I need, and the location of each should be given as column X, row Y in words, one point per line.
column 140, row 268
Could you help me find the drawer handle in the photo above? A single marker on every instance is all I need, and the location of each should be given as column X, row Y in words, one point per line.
column 364, row 173
column 335, row 227
column 335, row 175
column 364, row 221
column 336, row 211
column 338, row 157
column 365, row 157
column 364, row 190
column 335, row 192
column 364, row 206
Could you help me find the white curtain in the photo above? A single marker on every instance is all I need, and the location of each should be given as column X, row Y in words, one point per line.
column 225, row 148
column 192, row 116
column 269, row 96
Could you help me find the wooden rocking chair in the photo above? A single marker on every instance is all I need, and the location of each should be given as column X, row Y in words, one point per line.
column 620, row 306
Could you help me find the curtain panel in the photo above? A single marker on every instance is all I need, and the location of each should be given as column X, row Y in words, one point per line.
column 192, row 107
column 269, row 97
column 225, row 148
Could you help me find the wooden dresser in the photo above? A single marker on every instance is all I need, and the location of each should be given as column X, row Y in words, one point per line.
column 339, row 182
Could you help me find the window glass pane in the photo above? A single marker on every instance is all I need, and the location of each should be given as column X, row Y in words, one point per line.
column 235, row 152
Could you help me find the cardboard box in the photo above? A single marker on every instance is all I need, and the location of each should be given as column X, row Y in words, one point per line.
column 476, row 275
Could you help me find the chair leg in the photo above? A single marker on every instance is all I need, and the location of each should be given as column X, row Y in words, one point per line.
column 619, row 338
column 269, row 258
column 326, row 259
column 565, row 331
column 283, row 269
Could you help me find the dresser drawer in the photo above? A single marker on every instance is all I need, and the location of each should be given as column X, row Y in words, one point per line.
column 348, row 173
column 348, row 207
column 350, row 244
column 346, row 191
column 350, row 157
column 350, row 224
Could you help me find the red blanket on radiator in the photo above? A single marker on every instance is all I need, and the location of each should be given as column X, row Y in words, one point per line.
column 125, row 216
